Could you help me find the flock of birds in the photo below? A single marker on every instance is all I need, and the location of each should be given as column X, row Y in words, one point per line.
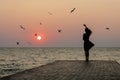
column 58, row 30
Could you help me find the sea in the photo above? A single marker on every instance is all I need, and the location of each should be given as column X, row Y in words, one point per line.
column 17, row 59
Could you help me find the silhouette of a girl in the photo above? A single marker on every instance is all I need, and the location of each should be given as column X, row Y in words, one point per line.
column 87, row 43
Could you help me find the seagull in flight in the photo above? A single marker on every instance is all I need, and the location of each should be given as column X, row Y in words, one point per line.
column 73, row 10
column 50, row 13
column 22, row 27
column 107, row 28
column 40, row 23
column 59, row 30
column 35, row 34
column 17, row 43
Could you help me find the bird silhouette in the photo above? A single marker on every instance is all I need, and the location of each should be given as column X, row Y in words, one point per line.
column 59, row 30
column 35, row 34
column 40, row 23
column 107, row 28
column 22, row 27
column 17, row 43
column 73, row 10
column 50, row 13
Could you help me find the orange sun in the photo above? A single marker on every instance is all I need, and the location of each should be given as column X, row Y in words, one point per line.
column 39, row 37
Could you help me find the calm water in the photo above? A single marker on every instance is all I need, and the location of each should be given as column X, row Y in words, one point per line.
column 13, row 60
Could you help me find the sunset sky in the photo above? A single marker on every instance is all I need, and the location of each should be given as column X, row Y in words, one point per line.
column 54, row 15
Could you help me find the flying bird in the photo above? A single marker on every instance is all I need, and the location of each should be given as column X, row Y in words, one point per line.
column 107, row 28
column 50, row 13
column 17, row 43
column 73, row 10
column 59, row 30
column 35, row 34
column 40, row 23
column 22, row 27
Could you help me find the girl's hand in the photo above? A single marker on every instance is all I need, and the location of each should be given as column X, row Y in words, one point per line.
column 85, row 25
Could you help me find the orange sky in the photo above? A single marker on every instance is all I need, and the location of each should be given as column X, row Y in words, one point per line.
column 97, row 14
